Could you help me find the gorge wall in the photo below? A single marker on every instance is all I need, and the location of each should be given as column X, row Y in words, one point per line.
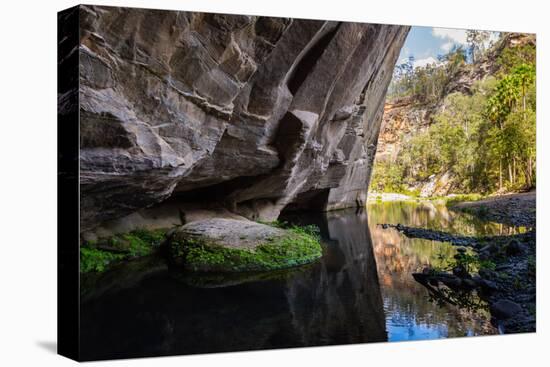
column 248, row 113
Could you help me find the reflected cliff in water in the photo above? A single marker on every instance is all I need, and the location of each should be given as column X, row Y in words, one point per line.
column 360, row 291
column 344, row 303
column 334, row 301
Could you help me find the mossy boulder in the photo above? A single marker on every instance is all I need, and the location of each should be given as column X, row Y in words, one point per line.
column 97, row 256
column 231, row 245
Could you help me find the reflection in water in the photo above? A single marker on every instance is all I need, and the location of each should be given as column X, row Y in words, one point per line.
column 360, row 291
column 344, row 303
column 334, row 301
column 437, row 216
column 410, row 313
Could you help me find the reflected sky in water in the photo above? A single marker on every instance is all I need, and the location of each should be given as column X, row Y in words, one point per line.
column 410, row 315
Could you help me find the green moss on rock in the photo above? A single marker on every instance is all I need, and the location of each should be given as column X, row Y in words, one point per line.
column 96, row 256
column 92, row 259
column 202, row 254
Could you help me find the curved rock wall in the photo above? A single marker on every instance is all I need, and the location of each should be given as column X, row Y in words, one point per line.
column 254, row 114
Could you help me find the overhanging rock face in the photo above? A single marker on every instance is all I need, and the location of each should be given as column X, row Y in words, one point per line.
column 254, row 114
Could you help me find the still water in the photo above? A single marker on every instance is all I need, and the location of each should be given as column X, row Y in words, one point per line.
column 360, row 291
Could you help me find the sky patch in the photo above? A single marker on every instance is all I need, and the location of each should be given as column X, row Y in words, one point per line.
column 425, row 44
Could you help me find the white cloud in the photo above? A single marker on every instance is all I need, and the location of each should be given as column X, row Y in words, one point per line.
column 457, row 37
column 447, row 46
column 424, row 62
column 450, row 35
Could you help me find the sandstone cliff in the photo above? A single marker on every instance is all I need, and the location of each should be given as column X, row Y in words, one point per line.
column 252, row 114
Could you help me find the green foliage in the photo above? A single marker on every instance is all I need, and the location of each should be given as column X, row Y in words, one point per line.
column 387, row 177
column 485, row 141
column 426, row 84
column 510, row 91
column 300, row 246
column 486, row 264
column 97, row 255
column 152, row 237
column 92, row 259
column 510, row 136
column 309, row 229
column 467, row 260
column 509, row 58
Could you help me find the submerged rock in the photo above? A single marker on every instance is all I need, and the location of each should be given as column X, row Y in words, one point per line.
column 505, row 309
column 231, row 245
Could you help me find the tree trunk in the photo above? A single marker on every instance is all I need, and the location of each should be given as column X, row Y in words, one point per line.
column 500, row 174
column 514, row 170
column 529, row 175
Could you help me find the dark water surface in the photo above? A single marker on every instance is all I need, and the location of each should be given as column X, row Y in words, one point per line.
column 360, row 291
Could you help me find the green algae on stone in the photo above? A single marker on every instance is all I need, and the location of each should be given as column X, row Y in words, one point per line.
column 96, row 256
column 267, row 248
column 95, row 260
column 139, row 242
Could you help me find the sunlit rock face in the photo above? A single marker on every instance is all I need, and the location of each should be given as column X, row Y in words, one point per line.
column 254, row 114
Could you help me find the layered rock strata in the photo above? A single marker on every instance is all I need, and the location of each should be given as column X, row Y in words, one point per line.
column 253, row 114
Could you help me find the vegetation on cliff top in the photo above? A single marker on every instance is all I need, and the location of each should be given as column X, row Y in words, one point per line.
column 486, row 140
